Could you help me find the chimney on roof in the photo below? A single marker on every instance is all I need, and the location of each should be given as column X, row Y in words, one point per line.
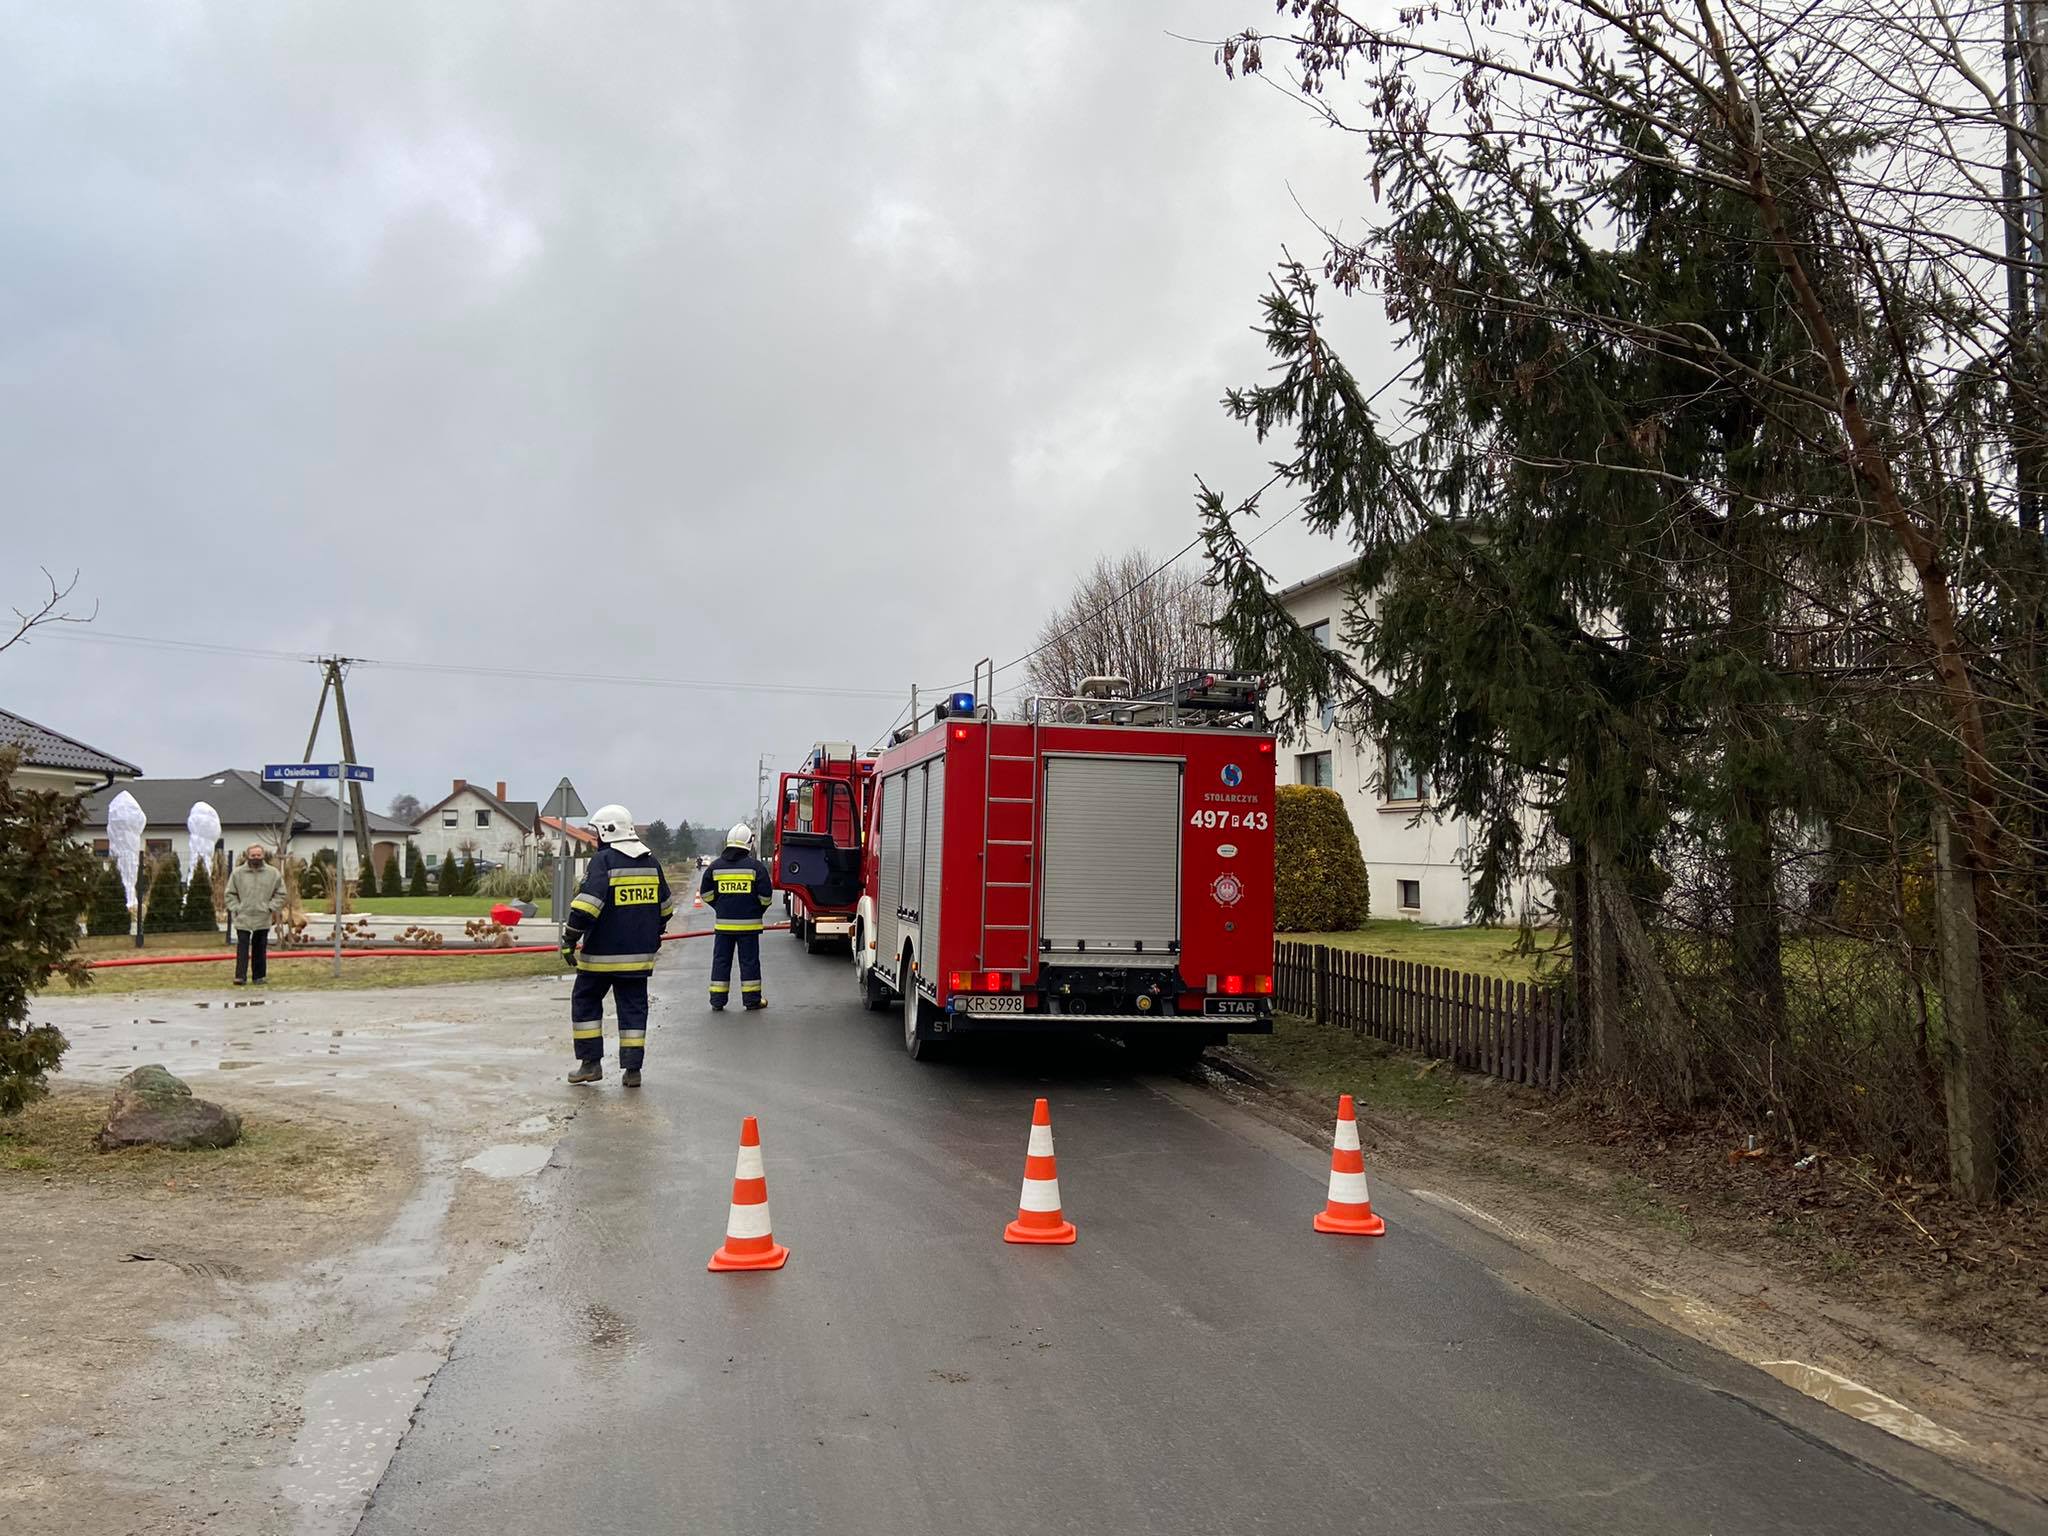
column 460, row 786
column 501, row 789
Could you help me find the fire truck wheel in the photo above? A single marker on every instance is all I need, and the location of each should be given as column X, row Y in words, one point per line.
column 918, row 1017
column 873, row 995
column 796, row 928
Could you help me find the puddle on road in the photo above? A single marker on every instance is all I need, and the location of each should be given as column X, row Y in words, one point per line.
column 353, row 1420
column 237, row 1066
column 1860, row 1402
column 512, row 1160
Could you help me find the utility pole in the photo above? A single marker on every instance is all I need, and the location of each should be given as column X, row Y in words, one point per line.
column 760, row 800
column 291, row 815
column 337, row 667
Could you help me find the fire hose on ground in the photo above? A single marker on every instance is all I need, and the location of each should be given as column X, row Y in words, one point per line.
column 323, row 953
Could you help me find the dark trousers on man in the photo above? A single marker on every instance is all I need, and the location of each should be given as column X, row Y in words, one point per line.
column 252, row 954
column 749, row 947
column 586, row 1016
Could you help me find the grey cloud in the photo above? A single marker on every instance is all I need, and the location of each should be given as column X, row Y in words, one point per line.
column 809, row 343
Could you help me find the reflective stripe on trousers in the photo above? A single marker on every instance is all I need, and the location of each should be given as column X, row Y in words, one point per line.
column 723, row 945
column 586, row 1016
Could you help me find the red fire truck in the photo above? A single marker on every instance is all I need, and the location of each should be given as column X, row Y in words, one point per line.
column 1104, row 865
column 821, row 812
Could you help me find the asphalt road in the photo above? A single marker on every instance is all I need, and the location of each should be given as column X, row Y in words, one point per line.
column 1201, row 1361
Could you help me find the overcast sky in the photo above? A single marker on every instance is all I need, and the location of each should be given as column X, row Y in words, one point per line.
column 811, row 345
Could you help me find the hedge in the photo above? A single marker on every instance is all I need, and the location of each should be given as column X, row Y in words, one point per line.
column 1319, row 876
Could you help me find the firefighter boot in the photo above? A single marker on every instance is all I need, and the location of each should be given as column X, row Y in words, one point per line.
column 632, row 1077
column 587, row 1072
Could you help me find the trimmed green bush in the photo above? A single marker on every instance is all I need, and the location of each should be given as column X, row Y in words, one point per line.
column 166, row 897
column 1319, row 875
column 198, row 914
column 416, row 881
column 469, row 875
column 390, row 884
column 110, row 913
column 449, row 882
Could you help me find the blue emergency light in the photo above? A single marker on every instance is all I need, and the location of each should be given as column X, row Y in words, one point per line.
column 960, row 704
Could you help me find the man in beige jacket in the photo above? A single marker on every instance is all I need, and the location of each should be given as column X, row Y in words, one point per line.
column 255, row 897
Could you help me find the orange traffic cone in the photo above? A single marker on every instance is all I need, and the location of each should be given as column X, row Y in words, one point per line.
column 1038, row 1208
column 749, row 1244
column 1349, row 1207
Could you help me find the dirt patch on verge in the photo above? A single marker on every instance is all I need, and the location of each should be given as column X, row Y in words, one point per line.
column 1824, row 1275
column 232, row 1340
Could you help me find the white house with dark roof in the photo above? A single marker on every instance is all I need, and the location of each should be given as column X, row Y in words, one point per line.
column 1417, row 859
column 471, row 819
column 250, row 811
column 50, row 760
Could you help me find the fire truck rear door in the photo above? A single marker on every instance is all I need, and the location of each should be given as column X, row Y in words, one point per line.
column 1112, row 855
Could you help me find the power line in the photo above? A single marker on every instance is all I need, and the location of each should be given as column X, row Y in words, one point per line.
column 475, row 669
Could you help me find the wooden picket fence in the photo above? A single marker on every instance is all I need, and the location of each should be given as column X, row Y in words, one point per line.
column 1507, row 1029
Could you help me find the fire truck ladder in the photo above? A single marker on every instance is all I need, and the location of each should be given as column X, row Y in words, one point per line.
column 985, row 671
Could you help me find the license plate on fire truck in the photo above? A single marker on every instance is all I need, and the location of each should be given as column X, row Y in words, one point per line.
column 1014, row 1003
column 1232, row 1007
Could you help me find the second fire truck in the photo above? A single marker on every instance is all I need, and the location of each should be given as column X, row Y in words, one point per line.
column 821, row 814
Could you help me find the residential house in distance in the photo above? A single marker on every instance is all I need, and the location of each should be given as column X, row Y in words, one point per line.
column 250, row 811
column 1416, row 861
column 50, row 760
column 471, row 819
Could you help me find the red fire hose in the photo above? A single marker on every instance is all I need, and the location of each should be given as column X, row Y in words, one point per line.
column 373, row 954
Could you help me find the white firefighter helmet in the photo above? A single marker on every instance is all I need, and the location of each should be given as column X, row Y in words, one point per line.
column 613, row 825
column 741, row 836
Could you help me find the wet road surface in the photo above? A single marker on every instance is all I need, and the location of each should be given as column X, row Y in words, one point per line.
column 1200, row 1362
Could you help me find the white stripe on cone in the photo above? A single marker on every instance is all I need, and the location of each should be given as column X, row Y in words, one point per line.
column 1040, row 1195
column 748, row 1221
column 1349, row 1189
column 749, row 1165
column 1347, row 1135
column 1041, row 1141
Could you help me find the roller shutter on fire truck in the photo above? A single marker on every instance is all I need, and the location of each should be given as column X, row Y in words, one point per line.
column 934, row 851
column 890, row 855
column 1112, row 855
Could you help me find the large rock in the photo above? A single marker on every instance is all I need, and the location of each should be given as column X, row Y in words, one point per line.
column 152, row 1108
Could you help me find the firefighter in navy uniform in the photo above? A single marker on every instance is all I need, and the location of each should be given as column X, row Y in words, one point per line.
column 617, row 916
column 736, row 888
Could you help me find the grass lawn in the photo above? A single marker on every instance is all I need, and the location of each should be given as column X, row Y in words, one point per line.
column 1483, row 951
column 1333, row 1061
column 433, row 906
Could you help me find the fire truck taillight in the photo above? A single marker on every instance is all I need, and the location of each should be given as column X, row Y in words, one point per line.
column 1233, row 986
column 959, row 733
column 979, row 981
column 1263, row 985
column 1265, row 749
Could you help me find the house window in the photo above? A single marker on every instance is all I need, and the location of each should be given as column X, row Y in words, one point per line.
column 1410, row 895
column 1400, row 784
column 1313, row 768
column 451, row 818
column 483, row 818
column 1326, row 709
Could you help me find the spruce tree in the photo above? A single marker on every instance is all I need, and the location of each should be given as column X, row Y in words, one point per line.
column 416, row 878
column 198, row 914
column 450, row 881
column 469, row 874
column 110, row 913
column 391, row 884
column 166, row 898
